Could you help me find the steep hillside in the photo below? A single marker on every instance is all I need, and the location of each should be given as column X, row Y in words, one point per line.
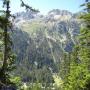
column 41, row 41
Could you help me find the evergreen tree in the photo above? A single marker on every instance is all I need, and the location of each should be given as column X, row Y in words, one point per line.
column 8, row 56
column 79, row 76
column 84, row 46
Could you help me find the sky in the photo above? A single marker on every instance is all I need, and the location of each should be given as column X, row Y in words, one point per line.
column 45, row 6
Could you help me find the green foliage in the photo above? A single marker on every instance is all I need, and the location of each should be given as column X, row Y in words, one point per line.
column 7, row 64
column 16, row 80
column 35, row 87
column 79, row 76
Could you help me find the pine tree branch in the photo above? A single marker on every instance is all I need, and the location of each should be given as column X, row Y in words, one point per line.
column 28, row 7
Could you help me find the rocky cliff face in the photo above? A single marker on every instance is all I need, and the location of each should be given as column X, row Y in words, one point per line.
column 41, row 41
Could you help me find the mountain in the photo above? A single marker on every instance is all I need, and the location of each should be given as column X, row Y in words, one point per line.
column 40, row 42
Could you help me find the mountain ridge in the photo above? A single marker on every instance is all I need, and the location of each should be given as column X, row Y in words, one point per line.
column 44, row 40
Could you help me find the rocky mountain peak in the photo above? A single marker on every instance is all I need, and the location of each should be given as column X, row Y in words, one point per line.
column 59, row 12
